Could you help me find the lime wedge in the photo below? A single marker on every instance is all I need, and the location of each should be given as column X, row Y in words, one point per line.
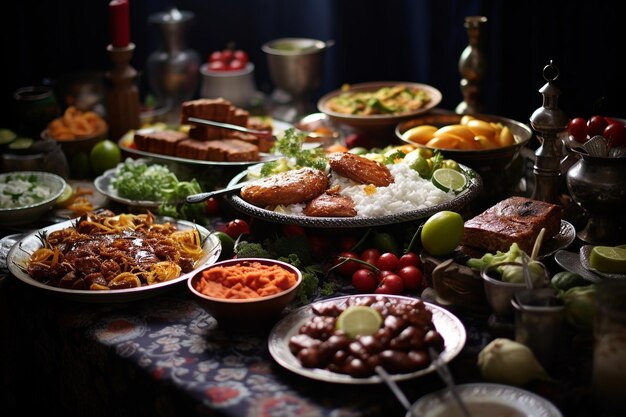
column 359, row 321
column 21, row 143
column 609, row 259
column 448, row 179
column 7, row 136
column 65, row 196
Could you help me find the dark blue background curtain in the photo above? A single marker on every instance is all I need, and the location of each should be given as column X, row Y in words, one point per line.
column 408, row 40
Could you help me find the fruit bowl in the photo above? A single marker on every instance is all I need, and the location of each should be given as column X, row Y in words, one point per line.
column 236, row 313
column 375, row 122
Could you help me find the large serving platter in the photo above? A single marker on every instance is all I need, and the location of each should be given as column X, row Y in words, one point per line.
column 20, row 253
column 125, row 144
column 472, row 191
column 446, row 323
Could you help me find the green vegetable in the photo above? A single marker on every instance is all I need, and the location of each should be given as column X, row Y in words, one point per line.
column 565, row 280
column 580, row 306
column 297, row 245
column 245, row 249
column 488, row 259
column 385, row 242
column 290, row 146
column 136, row 180
column 228, row 244
column 515, row 274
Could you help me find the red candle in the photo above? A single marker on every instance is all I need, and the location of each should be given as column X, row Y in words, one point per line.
column 119, row 23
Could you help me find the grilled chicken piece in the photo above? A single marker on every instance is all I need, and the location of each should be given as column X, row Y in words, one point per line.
column 330, row 205
column 290, row 187
column 360, row 169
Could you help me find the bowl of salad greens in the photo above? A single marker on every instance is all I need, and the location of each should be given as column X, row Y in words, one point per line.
column 26, row 195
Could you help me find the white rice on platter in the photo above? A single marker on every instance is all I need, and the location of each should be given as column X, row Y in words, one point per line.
column 408, row 192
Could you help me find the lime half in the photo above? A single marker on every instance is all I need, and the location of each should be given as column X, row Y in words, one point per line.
column 7, row 136
column 359, row 321
column 609, row 259
column 448, row 179
column 65, row 196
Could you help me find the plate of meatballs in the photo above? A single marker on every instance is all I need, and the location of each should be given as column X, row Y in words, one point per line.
column 308, row 343
column 353, row 192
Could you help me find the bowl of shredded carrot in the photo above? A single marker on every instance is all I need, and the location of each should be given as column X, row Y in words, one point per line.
column 246, row 291
column 77, row 130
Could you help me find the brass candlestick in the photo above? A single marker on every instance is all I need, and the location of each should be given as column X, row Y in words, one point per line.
column 549, row 121
column 123, row 96
column 472, row 67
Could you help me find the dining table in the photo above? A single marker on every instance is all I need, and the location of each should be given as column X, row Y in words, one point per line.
column 164, row 355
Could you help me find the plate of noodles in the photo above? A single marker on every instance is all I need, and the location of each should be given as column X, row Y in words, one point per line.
column 103, row 257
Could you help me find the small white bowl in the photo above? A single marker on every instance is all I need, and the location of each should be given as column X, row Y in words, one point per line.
column 238, row 87
column 485, row 400
column 18, row 216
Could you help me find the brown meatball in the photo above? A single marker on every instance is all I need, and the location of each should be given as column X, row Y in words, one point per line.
column 360, row 169
column 290, row 187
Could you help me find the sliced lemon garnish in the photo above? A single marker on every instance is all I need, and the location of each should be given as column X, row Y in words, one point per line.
column 359, row 321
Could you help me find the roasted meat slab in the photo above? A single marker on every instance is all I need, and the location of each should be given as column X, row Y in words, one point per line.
column 516, row 219
column 330, row 205
column 290, row 187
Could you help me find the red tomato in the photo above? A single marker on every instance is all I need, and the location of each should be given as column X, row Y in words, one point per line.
column 347, row 243
column 596, row 125
column 370, row 255
column 236, row 65
column 348, row 268
column 227, row 55
column 387, row 261
column 409, row 258
column 237, row 227
column 292, row 230
column 241, row 56
column 411, row 277
column 217, row 66
column 577, row 128
column 319, row 245
column 364, row 280
column 615, row 134
column 390, row 284
column 212, row 207
column 215, row 56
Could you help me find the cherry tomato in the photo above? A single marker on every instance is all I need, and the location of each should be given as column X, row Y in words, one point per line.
column 292, row 230
column 596, row 125
column 217, row 66
column 212, row 207
column 215, row 56
column 387, row 261
column 390, row 284
column 364, row 280
column 347, row 243
column 409, row 258
column 319, row 245
column 237, row 227
column 227, row 55
column 241, row 56
column 370, row 255
column 348, row 268
column 411, row 277
column 577, row 128
column 236, row 64
column 615, row 134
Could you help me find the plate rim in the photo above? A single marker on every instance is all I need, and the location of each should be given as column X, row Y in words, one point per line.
column 548, row 408
column 469, row 194
column 434, row 93
column 102, row 183
column 282, row 355
column 128, row 294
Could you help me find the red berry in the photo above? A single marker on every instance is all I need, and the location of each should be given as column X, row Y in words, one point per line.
column 615, row 134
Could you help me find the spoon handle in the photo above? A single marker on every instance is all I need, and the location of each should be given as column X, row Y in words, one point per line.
column 444, row 373
column 197, row 198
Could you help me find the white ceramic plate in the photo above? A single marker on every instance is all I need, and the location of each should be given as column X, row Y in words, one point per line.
column 446, row 323
column 20, row 254
column 479, row 396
